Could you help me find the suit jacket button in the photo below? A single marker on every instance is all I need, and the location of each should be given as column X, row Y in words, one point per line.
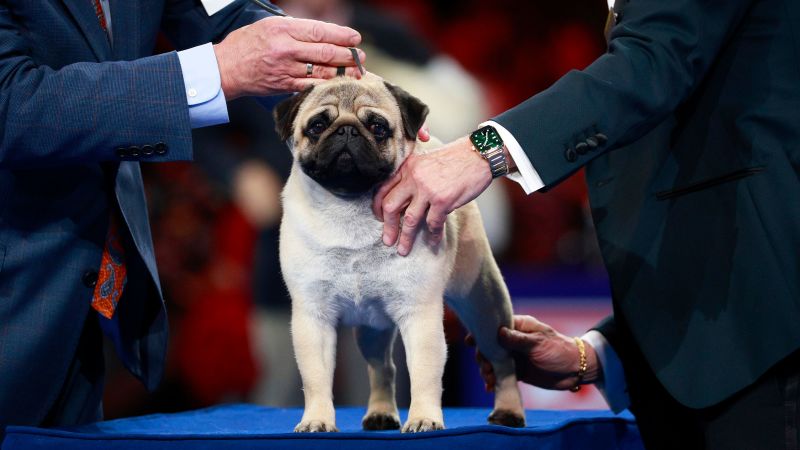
column 571, row 155
column 122, row 152
column 148, row 150
column 601, row 138
column 134, row 151
column 161, row 148
column 89, row 278
column 581, row 148
column 592, row 142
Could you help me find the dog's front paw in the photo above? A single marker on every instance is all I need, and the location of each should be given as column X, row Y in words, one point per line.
column 381, row 421
column 506, row 418
column 422, row 425
column 315, row 426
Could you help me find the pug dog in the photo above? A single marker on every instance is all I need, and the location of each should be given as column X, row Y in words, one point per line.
column 347, row 137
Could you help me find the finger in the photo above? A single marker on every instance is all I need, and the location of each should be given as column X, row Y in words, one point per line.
column 300, row 84
column 516, row 340
column 378, row 199
column 412, row 218
column 323, row 72
column 394, row 205
column 486, row 371
column 435, row 221
column 528, row 324
column 315, row 31
column 326, row 54
column 424, row 133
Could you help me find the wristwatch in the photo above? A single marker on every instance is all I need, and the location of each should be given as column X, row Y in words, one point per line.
column 487, row 141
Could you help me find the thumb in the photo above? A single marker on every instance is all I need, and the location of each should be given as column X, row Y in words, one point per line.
column 516, row 340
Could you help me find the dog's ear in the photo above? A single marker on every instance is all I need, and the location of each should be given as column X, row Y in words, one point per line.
column 286, row 111
column 412, row 110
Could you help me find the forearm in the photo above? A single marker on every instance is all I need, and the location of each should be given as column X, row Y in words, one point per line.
column 87, row 112
column 657, row 56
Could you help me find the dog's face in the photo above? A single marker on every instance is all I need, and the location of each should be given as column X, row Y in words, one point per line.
column 350, row 135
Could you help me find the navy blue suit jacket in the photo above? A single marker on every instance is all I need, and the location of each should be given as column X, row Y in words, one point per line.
column 77, row 115
column 689, row 129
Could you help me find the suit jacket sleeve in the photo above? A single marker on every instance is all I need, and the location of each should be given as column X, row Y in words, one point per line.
column 84, row 112
column 658, row 54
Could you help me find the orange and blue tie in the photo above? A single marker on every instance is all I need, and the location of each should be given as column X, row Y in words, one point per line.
column 113, row 274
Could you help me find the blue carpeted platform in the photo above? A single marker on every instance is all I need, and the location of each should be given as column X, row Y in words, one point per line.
column 254, row 427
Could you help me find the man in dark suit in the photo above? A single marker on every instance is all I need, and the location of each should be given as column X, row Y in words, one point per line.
column 82, row 102
column 689, row 129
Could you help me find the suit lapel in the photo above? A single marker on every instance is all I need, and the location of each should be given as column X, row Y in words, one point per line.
column 83, row 12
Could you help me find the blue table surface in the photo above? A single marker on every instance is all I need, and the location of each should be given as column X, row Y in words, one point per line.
column 243, row 420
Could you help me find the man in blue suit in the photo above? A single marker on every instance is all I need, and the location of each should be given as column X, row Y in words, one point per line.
column 82, row 102
column 689, row 129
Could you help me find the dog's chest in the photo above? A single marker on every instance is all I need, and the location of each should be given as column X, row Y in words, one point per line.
column 358, row 286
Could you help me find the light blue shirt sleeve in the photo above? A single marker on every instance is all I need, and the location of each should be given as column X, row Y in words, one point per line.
column 207, row 105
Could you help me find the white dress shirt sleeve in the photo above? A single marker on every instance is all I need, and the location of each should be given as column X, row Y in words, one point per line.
column 612, row 386
column 207, row 105
column 526, row 175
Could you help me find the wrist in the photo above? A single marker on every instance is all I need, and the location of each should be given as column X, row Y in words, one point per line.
column 486, row 141
column 512, row 166
column 226, row 84
column 594, row 372
column 480, row 161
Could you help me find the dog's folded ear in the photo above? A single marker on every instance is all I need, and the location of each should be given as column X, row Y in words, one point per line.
column 286, row 111
column 412, row 110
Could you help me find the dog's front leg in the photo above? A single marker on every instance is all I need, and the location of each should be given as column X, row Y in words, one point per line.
column 314, row 342
column 426, row 352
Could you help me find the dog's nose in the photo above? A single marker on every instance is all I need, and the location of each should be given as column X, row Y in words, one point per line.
column 348, row 130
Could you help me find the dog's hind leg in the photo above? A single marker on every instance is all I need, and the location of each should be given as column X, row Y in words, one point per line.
column 315, row 348
column 376, row 347
column 478, row 295
column 483, row 310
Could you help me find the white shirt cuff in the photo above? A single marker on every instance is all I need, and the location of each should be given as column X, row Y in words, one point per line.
column 207, row 105
column 526, row 175
column 612, row 386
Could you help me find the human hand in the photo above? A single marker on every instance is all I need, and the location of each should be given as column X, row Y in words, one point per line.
column 270, row 56
column 426, row 188
column 543, row 356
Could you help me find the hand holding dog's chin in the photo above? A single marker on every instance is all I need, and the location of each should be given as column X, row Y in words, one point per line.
column 425, row 189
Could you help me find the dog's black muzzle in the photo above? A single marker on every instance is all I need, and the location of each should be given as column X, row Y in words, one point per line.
column 346, row 163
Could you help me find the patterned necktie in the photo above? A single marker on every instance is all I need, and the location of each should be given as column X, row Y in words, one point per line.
column 113, row 274
column 101, row 17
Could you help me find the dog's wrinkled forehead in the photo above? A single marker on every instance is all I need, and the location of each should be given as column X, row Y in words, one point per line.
column 347, row 98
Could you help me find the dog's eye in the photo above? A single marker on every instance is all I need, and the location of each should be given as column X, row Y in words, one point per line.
column 317, row 127
column 378, row 130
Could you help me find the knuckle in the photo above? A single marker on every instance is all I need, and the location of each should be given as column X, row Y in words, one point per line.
column 390, row 208
column 327, row 53
column 410, row 220
column 317, row 32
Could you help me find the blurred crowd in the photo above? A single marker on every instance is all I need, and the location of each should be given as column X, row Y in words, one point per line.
column 215, row 222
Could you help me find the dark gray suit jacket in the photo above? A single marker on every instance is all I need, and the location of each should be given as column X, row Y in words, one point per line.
column 689, row 129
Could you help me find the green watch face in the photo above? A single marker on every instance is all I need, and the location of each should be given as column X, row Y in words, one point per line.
column 486, row 138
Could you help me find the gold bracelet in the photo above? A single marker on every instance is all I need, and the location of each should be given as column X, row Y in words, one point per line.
column 582, row 364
